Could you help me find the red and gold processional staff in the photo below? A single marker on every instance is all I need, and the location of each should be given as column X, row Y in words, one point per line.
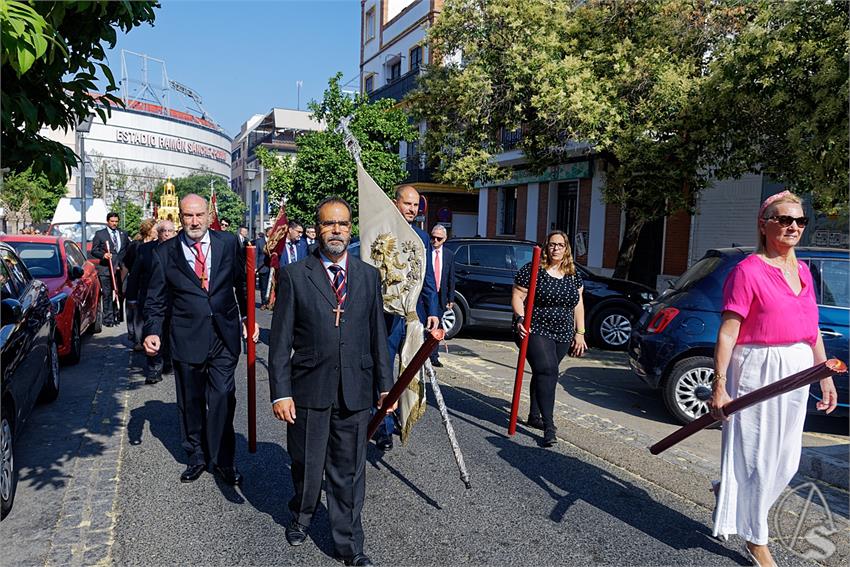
column 523, row 347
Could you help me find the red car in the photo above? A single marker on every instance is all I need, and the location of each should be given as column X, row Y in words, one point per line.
column 73, row 286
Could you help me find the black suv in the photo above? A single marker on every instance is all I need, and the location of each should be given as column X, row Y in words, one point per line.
column 484, row 277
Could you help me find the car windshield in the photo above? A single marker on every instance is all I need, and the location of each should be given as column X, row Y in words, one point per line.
column 71, row 230
column 697, row 272
column 42, row 260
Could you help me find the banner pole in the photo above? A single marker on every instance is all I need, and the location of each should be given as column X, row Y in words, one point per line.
column 523, row 347
column 250, row 268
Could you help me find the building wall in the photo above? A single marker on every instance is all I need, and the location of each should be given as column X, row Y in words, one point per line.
column 393, row 41
column 676, row 243
column 611, row 245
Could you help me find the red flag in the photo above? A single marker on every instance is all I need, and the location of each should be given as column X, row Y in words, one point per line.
column 277, row 239
column 214, row 224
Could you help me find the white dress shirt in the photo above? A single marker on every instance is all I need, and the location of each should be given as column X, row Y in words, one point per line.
column 189, row 251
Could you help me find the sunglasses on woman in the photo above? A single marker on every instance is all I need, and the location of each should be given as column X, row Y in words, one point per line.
column 786, row 220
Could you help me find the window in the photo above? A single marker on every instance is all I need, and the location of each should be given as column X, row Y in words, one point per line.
column 17, row 272
column 6, row 285
column 73, row 251
column 490, row 256
column 415, row 58
column 370, row 24
column 522, row 255
column 507, row 210
column 835, row 281
column 395, row 71
column 369, row 84
column 462, row 255
column 42, row 260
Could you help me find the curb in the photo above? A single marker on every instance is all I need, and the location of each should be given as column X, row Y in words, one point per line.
column 814, row 464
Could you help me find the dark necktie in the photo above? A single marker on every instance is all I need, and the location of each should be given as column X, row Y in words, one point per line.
column 338, row 282
column 114, row 240
column 292, row 256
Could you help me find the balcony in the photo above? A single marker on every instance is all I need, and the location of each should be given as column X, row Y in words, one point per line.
column 397, row 88
column 282, row 141
column 510, row 139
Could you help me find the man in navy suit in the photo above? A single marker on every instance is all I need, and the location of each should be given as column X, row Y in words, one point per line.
column 262, row 268
column 295, row 248
column 444, row 275
column 428, row 308
column 199, row 279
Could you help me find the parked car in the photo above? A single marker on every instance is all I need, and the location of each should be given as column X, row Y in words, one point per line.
column 672, row 345
column 60, row 264
column 30, row 359
column 484, row 277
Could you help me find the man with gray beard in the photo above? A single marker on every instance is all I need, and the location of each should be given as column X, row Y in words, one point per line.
column 328, row 355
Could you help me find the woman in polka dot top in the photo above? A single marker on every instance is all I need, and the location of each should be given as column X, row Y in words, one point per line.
column 557, row 325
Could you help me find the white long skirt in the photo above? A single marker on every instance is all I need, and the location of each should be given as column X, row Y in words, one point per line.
column 760, row 451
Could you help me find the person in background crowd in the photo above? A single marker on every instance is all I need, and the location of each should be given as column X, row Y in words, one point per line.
column 295, row 248
column 137, row 287
column 427, row 307
column 310, row 235
column 225, row 224
column 769, row 331
column 262, row 268
column 200, row 276
column 557, row 326
column 110, row 243
column 444, row 276
column 243, row 236
column 134, row 315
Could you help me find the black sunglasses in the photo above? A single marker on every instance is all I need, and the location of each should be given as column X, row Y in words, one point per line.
column 786, row 220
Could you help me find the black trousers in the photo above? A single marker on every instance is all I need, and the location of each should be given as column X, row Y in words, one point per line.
column 264, row 285
column 544, row 356
column 330, row 441
column 206, row 402
column 161, row 361
column 111, row 311
column 135, row 322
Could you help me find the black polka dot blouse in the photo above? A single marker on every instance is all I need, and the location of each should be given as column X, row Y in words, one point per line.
column 554, row 303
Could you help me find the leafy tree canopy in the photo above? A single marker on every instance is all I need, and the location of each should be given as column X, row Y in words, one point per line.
column 131, row 213
column 51, row 54
column 31, row 193
column 230, row 206
column 324, row 167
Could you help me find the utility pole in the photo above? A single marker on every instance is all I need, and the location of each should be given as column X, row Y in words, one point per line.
column 263, row 197
column 298, row 85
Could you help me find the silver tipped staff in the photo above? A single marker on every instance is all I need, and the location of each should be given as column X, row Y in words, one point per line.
column 450, row 431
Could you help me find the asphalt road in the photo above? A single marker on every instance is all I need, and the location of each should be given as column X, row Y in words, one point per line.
column 100, row 467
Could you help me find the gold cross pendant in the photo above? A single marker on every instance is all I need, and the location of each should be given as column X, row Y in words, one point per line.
column 339, row 311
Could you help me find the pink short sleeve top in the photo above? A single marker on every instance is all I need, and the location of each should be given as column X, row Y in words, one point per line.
column 773, row 314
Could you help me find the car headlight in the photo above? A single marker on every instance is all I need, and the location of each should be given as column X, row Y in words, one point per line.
column 59, row 301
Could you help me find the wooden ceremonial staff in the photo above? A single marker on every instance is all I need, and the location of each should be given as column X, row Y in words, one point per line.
column 406, row 378
column 523, row 347
column 798, row 380
column 115, row 298
column 250, row 265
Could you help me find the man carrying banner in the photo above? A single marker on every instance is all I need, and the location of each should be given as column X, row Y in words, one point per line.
column 327, row 358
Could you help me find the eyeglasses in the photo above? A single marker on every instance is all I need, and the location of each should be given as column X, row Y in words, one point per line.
column 786, row 220
column 438, row 238
column 343, row 224
column 556, row 245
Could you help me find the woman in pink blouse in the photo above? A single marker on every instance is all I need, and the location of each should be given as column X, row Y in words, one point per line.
column 769, row 331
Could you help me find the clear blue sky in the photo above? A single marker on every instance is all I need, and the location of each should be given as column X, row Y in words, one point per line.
column 244, row 57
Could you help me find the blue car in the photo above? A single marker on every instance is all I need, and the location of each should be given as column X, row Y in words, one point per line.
column 672, row 346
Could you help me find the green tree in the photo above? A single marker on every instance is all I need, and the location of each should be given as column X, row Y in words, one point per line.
column 51, row 55
column 627, row 81
column 31, row 194
column 131, row 214
column 230, row 206
column 324, row 167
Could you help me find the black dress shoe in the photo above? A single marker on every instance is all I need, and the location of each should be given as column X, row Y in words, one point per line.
column 535, row 421
column 437, row 363
column 384, row 443
column 549, row 438
column 296, row 534
column 192, row 472
column 154, row 378
column 230, row 475
column 359, row 559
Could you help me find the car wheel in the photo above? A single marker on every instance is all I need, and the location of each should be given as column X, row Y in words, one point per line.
column 76, row 344
column 612, row 328
column 50, row 390
column 688, row 388
column 453, row 321
column 8, row 474
column 97, row 326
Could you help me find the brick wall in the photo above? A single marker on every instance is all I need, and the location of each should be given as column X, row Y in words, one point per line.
column 542, row 212
column 611, row 247
column 676, row 243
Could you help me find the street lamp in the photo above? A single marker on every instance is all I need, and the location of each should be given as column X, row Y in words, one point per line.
column 252, row 173
column 83, row 127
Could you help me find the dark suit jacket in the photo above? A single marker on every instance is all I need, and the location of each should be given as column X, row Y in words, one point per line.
column 300, row 252
column 139, row 277
column 260, row 244
column 309, row 356
column 195, row 313
column 447, row 278
column 427, row 306
column 98, row 249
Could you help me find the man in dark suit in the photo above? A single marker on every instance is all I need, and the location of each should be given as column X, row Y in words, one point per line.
column 407, row 202
column 328, row 357
column 444, row 276
column 242, row 235
column 200, row 274
column 295, row 248
column 110, row 243
column 263, row 268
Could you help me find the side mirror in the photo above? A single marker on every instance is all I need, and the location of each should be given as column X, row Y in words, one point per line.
column 11, row 312
column 76, row 272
